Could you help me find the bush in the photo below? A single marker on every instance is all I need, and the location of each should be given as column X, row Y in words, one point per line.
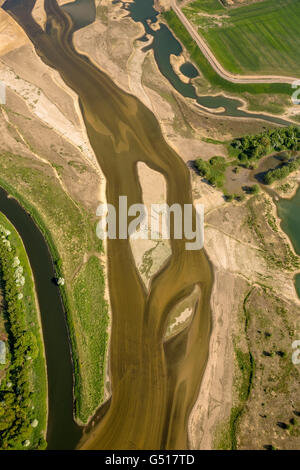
column 213, row 170
column 253, row 147
column 282, row 171
column 254, row 189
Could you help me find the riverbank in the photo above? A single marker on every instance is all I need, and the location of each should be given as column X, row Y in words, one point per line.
column 206, row 68
column 237, row 290
column 271, row 99
column 54, row 145
column 81, row 305
column 28, row 354
column 224, row 412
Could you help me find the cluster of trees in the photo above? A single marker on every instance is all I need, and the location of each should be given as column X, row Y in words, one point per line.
column 282, row 171
column 212, row 170
column 16, row 414
column 248, row 150
column 252, row 147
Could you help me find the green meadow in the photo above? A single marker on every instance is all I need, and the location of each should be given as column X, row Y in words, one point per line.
column 260, row 38
column 219, row 83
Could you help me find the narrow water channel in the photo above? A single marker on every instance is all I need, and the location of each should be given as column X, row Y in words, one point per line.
column 289, row 212
column 164, row 44
column 62, row 432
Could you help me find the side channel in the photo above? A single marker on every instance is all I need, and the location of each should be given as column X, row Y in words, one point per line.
column 62, row 432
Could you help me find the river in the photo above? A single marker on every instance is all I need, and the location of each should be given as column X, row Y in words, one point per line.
column 164, row 44
column 62, row 432
column 154, row 382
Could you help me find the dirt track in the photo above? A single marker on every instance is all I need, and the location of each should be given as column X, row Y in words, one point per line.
column 249, row 79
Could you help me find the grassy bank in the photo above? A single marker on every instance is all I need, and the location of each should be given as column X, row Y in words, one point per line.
column 208, row 72
column 70, row 231
column 89, row 297
column 23, row 389
column 244, row 380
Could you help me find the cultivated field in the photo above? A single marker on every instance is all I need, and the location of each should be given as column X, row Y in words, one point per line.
column 263, row 37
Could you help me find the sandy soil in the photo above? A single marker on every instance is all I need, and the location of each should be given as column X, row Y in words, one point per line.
column 46, row 110
column 215, row 398
column 11, row 35
column 150, row 254
column 177, row 62
column 38, row 13
column 235, row 256
column 238, row 264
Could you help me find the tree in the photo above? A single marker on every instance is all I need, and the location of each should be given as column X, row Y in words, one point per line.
column 254, row 189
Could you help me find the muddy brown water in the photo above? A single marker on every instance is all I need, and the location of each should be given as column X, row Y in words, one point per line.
column 154, row 383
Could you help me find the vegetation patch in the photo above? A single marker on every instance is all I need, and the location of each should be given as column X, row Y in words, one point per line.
column 92, row 320
column 209, row 73
column 259, row 38
column 213, row 170
column 23, row 389
column 70, row 231
column 251, row 148
column 244, row 153
column 282, row 171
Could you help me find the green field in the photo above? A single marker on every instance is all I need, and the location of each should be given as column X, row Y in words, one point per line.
column 92, row 318
column 262, row 38
column 219, row 83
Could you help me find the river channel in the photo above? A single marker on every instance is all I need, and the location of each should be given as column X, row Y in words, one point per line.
column 289, row 212
column 62, row 432
column 164, row 44
column 154, row 382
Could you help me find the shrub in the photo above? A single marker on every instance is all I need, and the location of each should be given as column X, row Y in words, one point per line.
column 213, row 170
column 253, row 147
